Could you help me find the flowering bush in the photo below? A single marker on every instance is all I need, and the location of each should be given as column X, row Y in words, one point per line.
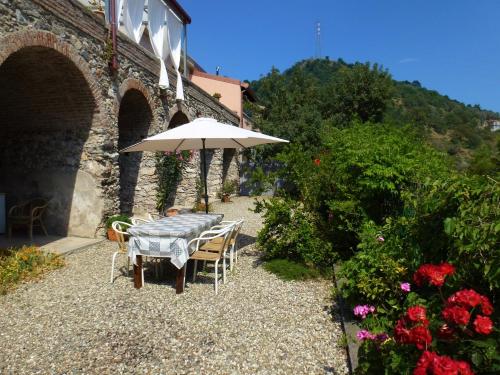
column 434, row 335
column 26, row 263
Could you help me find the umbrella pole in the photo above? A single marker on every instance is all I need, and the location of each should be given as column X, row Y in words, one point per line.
column 204, row 162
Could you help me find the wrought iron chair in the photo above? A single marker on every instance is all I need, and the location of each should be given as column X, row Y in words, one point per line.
column 28, row 214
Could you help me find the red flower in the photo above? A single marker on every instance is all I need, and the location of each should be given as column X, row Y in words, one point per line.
column 483, row 325
column 401, row 333
column 456, row 314
column 445, row 332
column 465, row 298
column 317, row 162
column 431, row 363
column 444, row 365
column 486, row 306
column 424, row 362
column 433, row 274
column 421, row 337
column 417, row 314
column 464, row 368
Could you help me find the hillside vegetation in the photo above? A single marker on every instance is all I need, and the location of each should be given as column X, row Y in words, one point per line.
column 400, row 187
column 312, row 94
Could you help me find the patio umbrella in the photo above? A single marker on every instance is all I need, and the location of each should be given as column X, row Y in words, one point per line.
column 201, row 134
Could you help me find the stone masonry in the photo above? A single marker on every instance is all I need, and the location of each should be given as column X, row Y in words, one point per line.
column 64, row 118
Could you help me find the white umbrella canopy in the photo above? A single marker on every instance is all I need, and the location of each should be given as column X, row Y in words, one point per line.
column 201, row 134
column 191, row 135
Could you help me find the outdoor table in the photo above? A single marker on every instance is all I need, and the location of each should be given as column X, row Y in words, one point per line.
column 167, row 238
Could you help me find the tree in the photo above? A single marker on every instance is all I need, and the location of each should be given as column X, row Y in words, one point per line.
column 358, row 92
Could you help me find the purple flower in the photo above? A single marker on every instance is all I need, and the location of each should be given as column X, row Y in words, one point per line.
column 363, row 310
column 380, row 239
column 365, row 335
column 405, row 287
column 381, row 337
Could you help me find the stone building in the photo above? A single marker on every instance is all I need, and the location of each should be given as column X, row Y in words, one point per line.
column 63, row 118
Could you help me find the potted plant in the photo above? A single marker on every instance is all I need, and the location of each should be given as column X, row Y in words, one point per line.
column 111, row 233
column 228, row 188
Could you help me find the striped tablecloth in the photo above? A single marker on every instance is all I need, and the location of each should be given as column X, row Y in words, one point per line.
column 169, row 237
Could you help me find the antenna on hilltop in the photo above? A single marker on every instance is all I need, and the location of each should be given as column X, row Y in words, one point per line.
column 318, row 40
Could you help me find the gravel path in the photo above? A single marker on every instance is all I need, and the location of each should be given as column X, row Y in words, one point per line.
column 74, row 321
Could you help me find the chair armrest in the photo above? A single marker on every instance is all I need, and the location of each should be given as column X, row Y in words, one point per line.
column 139, row 220
column 17, row 207
column 155, row 217
column 37, row 211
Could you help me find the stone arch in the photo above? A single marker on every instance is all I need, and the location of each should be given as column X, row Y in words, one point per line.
column 135, row 121
column 179, row 115
column 49, row 102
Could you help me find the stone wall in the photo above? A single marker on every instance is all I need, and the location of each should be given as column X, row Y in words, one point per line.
column 61, row 102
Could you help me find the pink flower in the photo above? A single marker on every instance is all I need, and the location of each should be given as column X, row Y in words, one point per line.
column 365, row 335
column 405, row 287
column 380, row 239
column 363, row 310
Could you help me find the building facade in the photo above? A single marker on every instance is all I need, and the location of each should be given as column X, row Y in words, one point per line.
column 64, row 116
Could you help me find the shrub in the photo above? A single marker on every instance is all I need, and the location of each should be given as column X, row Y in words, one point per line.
column 362, row 174
column 25, row 263
column 289, row 232
column 288, row 270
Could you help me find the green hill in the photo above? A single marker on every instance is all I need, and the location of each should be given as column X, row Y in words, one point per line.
column 447, row 124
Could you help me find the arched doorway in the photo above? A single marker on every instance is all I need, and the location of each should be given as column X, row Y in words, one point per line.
column 179, row 118
column 134, row 121
column 46, row 112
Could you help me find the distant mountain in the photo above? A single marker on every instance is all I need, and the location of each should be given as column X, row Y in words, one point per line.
column 449, row 125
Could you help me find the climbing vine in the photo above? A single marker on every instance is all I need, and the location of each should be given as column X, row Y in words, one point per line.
column 169, row 169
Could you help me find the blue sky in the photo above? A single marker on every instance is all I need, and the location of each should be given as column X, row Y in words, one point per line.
column 452, row 46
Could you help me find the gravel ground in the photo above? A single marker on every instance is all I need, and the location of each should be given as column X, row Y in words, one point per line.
column 75, row 321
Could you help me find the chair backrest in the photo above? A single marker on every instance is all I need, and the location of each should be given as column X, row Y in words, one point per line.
column 229, row 232
column 224, row 233
column 154, row 217
column 237, row 228
column 38, row 207
column 120, row 228
column 139, row 221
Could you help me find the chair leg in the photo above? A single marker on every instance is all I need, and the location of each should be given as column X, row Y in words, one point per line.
column 194, row 269
column 216, row 276
column 128, row 265
column 184, row 281
column 43, row 227
column 231, row 258
column 224, row 269
column 113, row 266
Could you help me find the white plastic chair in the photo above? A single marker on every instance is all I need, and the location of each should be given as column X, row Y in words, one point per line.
column 118, row 227
column 154, row 217
column 139, row 221
column 233, row 240
column 208, row 250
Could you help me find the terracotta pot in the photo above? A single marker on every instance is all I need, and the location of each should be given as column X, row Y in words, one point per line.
column 226, row 198
column 172, row 211
column 112, row 235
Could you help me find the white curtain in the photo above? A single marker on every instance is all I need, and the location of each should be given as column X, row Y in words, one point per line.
column 175, row 27
column 133, row 11
column 158, row 34
column 118, row 9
